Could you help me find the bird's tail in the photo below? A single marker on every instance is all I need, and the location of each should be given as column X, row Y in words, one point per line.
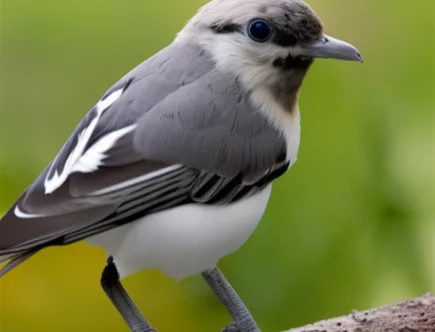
column 15, row 260
column 4, row 258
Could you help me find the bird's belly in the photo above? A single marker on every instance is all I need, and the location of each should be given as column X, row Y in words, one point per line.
column 185, row 240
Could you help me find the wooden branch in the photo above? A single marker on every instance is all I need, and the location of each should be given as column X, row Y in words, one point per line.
column 416, row 315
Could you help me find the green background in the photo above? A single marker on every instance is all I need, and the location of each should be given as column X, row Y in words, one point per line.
column 351, row 226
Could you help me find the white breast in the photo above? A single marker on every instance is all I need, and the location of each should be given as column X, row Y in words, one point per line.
column 185, row 240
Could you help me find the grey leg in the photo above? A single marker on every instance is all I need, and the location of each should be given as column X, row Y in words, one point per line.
column 121, row 300
column 243, row 320
column 232, row 327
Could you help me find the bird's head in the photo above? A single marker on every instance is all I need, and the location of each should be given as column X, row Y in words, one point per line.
column 265, row 42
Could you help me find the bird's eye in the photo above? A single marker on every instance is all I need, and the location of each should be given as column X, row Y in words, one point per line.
column 259, row 30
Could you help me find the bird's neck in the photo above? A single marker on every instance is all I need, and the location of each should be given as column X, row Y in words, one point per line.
column 283, row 114
column 287, row 98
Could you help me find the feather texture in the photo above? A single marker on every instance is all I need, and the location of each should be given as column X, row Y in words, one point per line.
column 175, row 130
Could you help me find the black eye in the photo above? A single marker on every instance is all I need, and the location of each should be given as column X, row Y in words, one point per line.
column 259, row 30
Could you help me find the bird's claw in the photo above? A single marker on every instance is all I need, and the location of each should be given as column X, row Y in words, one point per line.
column 232, row 327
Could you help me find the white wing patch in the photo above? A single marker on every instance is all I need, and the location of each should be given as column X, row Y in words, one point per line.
column 93, row 157
column 136, row 180
column 24, row 215
column 73, row 162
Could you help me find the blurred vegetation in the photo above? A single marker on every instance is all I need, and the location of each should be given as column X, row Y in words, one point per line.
column 350, row 226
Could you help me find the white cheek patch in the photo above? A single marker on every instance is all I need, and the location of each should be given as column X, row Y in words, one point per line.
column 93, row 159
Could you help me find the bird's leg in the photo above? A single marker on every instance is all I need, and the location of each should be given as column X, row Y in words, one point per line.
column 232, row 327
column 243, row 320
column 121, row 300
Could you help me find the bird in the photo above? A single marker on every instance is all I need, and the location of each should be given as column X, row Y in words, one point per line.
column 173, row 167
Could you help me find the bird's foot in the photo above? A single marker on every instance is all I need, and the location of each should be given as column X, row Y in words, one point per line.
column 242, row 318
column 241, row 327
column 232, row 327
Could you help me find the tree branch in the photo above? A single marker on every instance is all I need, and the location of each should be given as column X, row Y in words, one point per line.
column 416, row 315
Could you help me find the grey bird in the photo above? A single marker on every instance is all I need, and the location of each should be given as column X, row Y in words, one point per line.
column 173, row 167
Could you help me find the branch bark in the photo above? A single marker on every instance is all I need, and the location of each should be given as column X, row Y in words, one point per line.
column 416, row 315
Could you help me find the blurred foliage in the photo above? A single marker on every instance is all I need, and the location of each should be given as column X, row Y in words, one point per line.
column 350, row 226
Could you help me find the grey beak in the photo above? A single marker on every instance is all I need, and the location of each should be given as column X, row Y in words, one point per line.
column 331, row 48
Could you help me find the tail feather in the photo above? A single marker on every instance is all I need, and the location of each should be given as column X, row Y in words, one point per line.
column 4, row 258
column 15, row 260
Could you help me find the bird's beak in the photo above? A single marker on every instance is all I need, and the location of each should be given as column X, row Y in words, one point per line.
column 331, row 48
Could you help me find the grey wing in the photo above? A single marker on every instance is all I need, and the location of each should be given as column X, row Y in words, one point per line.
column 99, row 154
column 223, row 150
column 161, row 137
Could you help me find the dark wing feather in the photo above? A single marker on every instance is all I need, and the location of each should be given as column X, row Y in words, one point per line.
column 70, row 206
column 184, row 133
